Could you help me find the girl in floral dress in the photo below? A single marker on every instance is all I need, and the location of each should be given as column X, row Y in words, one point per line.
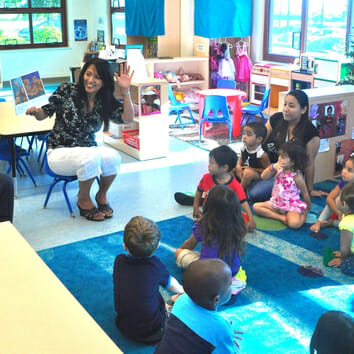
column 285, row 204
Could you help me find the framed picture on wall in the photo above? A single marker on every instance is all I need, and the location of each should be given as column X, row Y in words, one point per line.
column 80, row 30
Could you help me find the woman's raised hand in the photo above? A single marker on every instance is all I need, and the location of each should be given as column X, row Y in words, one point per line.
column 124, row 79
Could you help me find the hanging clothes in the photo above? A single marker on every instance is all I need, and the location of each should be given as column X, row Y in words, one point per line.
column 243, row 64
column 226, row 70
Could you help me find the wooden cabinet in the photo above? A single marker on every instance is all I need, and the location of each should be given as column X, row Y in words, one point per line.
column 280, row 78
column 301, row 80
column 150, row 101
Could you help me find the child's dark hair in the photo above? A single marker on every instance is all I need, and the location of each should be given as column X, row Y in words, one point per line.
column 223, row 155
column 297, row 154
column 334, row 333
column 141, row 236
column 259, row 129
column 347, row 196
column 222, row 221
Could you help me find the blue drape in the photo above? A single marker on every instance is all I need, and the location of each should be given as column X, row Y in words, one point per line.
column 222, row 18
column 145, row 17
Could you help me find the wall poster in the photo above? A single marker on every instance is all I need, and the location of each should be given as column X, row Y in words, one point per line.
column 330, row 118
column 344, row 149
column 80, row 30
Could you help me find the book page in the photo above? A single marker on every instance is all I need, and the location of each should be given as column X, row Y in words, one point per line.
column 28, row 91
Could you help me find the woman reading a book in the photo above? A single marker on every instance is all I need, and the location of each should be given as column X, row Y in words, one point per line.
column 80, row 110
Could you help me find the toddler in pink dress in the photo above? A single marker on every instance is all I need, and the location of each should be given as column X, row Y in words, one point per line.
column 285, row 204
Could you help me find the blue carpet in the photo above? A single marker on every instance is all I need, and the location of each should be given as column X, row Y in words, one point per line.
column 277, row 311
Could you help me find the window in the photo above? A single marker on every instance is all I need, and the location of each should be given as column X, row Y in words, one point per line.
column 317, row 27
column 119, row 38
column 32, row 24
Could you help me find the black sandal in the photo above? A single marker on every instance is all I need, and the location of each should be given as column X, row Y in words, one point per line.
column 90, row 214
column 106, row 209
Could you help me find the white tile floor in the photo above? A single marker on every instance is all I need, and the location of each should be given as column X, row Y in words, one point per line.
column 142, row 188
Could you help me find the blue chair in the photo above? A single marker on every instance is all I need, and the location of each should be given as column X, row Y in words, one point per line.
column 21, row 165
column 250, row 112
column 178, row 108
column 230, row 84
column 56, row 179
column 215, row 111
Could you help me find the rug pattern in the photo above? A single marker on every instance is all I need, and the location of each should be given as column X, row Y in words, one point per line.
column 277, row 311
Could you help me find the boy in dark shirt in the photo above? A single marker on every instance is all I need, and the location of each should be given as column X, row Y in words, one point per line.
column 194, row 325
column 253, row 158
column 141, row 311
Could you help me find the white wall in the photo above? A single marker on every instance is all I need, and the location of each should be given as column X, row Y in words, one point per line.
column 258, row 7
column 56, row 62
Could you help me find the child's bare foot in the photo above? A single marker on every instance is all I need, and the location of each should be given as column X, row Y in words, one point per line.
column 321, row 224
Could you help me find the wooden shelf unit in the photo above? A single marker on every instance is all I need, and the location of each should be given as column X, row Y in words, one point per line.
column 189, row 65
column 153, row 128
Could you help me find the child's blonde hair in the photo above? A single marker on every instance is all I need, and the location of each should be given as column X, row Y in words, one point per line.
column 141, row 236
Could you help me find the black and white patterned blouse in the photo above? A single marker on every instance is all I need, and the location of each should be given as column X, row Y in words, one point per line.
column 73, row 126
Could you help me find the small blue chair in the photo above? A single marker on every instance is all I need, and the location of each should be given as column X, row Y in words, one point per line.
column 56, row 179
column 178, row 108
column 250, row 111
column 215, row 111
column 230, row 84
column 21, row 165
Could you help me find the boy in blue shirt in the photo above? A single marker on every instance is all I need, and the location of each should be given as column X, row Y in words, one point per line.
column 141, row 310
column 194, row 325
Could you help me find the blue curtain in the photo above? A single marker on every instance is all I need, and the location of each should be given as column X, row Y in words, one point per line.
column 145, row 17
column 222, row 18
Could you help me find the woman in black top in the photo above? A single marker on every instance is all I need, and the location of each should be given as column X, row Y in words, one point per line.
column 80, row 110
column 292, row 124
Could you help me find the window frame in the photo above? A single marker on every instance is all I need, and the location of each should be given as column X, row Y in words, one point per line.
column 34, row 10
column 114, row 10
column 286, row 59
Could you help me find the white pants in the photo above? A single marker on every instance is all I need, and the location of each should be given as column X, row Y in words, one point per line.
column 84, row 162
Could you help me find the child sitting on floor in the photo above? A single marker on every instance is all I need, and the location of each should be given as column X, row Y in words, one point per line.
column 221, row 161
column 253, row 159
column 285, row 204
column 331, row 213
column 141, row 311
column 345, row 257
column 334, row 333
column 194, row 325
column 221, row 231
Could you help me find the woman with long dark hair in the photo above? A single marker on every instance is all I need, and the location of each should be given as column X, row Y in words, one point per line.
column 80, row 111
column 292, row 124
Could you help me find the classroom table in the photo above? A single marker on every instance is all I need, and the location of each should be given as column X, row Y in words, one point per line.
column 38, row 314
column 12, row 126
column 234, row 100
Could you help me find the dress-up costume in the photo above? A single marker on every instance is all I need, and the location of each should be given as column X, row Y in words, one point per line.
column 285, row 193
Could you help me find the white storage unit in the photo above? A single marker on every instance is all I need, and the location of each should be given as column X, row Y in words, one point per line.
column 152, row 135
